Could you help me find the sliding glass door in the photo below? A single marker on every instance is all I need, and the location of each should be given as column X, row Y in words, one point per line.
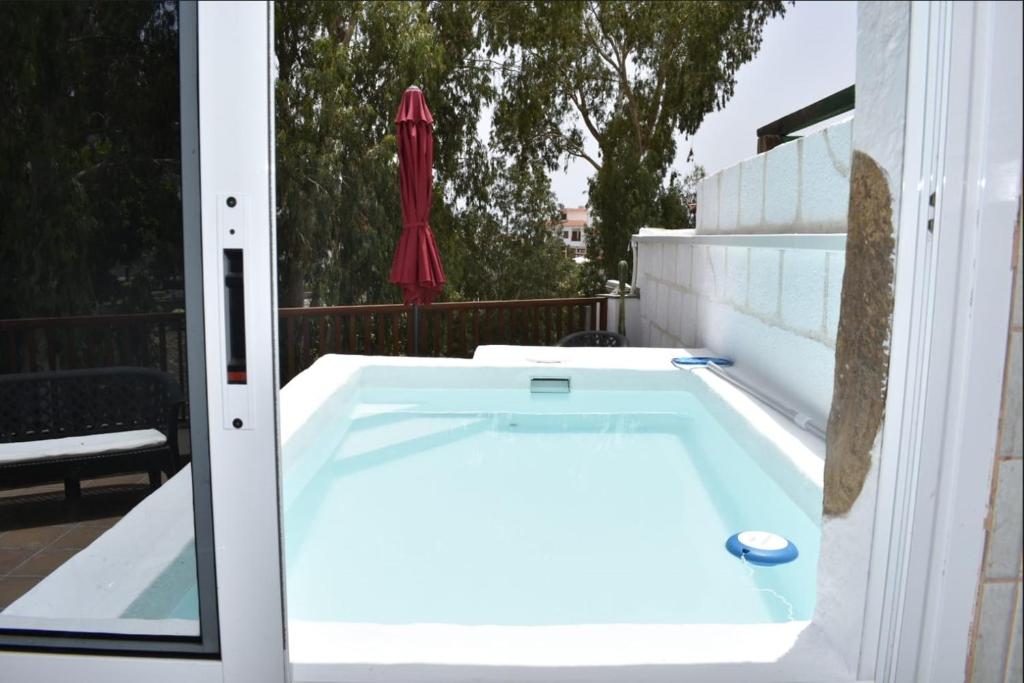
column 137, row 373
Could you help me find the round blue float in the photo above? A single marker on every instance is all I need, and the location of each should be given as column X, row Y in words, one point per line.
column 761, row 547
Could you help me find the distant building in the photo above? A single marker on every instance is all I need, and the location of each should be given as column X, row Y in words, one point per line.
column 573, row 228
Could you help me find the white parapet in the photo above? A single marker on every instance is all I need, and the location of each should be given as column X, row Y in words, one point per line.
column 770, row 302
column 799, row 187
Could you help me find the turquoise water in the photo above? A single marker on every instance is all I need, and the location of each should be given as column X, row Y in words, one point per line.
column 505, row 508
column 597, row 507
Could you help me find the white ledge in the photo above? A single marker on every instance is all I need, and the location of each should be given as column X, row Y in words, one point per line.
column 822, row 242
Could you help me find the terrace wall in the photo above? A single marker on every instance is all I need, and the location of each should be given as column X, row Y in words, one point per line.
column 759, row 279
column 769, row 302
column 799, row 187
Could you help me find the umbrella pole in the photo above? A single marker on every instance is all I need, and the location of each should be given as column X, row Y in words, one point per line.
column 415, row 329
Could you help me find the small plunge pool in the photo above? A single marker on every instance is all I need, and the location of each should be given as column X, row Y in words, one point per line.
column 502, row 507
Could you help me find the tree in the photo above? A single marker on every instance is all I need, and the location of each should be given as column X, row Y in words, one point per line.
column 342, row 69
column 676, row 199
column 629, row 76
column 513, row 251
column 90, row 173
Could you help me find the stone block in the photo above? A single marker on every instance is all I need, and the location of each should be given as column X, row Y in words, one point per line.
column 765, row 281
column 707, row 205
column 1002, row 559
column 825, row 178
column 662, row 311
column 1011, row 432
column 803, row 290
column 752, row 199
column 782, row 187
column 669, row 257
column 684, row 265
column 736, row 281
column 729, row 199
column 992, row 641
column 833, row 295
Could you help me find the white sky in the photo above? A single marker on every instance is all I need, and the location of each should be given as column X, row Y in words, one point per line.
column 808, row 54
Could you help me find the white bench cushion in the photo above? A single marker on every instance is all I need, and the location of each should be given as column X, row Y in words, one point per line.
column 27, row 451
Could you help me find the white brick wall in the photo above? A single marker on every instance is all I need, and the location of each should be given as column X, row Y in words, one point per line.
column 759, row 280
column 799, row 187
column 770, row 302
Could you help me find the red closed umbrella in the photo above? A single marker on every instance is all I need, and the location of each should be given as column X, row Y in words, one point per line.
column 417, row 263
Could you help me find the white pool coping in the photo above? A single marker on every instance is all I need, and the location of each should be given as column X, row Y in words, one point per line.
column 92, row 589
column 324, row 651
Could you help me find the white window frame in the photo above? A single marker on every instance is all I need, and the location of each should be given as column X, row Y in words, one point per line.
column 235, row 46
column 953, row 291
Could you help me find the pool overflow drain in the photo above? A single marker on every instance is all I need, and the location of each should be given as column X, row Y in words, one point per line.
column 549, row 385
column 761, row 547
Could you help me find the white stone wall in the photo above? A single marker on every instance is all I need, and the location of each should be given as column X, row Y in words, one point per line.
column 997, row 650
column 799, row 187
column 769, row 302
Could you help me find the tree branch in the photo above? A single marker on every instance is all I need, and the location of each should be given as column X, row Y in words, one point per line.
column 583, row 155
column 627, row 89
column 618, row 65
column 656, row 103
column 571, row 148
column 593, row 40
column 581, row 106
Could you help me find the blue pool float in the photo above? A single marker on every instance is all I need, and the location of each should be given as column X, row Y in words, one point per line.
column 761, row 547
column 700, row 361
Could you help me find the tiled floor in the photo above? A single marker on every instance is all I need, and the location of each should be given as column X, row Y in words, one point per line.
column 39, row 530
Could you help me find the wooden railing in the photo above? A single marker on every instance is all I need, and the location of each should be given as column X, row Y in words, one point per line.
column 151, row 340
column 452, row 330
column 157, row 340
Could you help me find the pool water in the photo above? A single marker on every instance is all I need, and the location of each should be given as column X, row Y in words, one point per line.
column 508, row 508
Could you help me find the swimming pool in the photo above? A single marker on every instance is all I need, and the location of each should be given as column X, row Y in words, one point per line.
column 483, row 532
column 505, row 507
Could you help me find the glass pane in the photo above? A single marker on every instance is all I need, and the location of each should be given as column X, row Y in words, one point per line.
column 96, row 497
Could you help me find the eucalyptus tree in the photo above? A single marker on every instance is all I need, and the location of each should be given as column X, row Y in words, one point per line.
column 613, row 83
column 90, row 215
column 342, row 68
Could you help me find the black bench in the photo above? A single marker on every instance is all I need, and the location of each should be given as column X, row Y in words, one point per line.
column 75, row 424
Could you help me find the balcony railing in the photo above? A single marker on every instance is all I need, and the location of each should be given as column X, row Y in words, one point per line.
column 150, row 340
column 452, row 330
column 157, row 340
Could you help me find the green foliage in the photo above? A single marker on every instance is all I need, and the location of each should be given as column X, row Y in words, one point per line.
column 343, row 67
column 674, row 200
column 90, row 145
column 512, row 251
column 629, row 75
column 90, row 215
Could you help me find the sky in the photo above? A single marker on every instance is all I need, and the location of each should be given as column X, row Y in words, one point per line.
column 808, row 54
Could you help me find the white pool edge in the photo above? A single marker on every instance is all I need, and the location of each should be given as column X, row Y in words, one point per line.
column 93, row 588
column 796, row 651
column 326, row 651
column 609, row 652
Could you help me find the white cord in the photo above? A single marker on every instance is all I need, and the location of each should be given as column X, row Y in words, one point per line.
column 790, row 610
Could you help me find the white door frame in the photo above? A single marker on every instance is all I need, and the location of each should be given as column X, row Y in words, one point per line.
column 236, row 110
column 235, row 48
column 953, row 290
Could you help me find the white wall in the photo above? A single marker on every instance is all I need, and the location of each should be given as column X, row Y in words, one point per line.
column 799, row 187
column 769, row 302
